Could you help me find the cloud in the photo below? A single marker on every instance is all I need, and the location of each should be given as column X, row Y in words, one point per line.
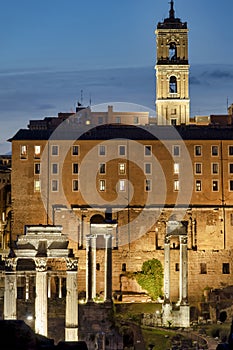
column 34, row 94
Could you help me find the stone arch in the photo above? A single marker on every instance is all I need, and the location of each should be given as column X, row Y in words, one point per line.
column 172, row 51
column 173, row 84
column 97, row 219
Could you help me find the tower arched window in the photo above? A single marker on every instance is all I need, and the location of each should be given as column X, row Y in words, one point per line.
column 172, row 52
column 173, row 85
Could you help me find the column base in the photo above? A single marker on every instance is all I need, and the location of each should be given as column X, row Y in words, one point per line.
column 71, row 333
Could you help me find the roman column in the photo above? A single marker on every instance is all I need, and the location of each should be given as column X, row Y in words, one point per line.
column 88, row 269
column 41, row 321
column 10, row 292
column 108, row 268
column 167, row 270
column 93, row 266
column 183, row 270
column 71, row 322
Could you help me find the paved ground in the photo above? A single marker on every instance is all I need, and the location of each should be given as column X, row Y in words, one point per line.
column 212, row 343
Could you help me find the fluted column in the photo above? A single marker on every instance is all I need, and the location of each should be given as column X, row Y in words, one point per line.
column 59, row 287
column 183, row 270
column 49, row 285
column 85, row 229
column 93, row 265
column 41, row 301
column 27, row 280
column 167, row 269
column 108, row 268
column 10, row 292
column 71, row 322
column 88, row 269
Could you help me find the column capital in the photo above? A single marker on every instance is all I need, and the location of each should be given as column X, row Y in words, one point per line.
column 183, row 239
column 11, row 264
column 167, row 239
column 71, row 264
column 41, row 264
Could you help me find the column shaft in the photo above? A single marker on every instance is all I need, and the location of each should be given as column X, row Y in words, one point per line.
column 88, row 269
column 183, row 270
column 10, row 296
column 71, row 332
column 108, row 268
column 167, row 270
column 93, row 266
column 41, row 301
column 27, row 280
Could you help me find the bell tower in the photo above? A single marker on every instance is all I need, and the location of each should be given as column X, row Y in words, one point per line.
column 172, row 71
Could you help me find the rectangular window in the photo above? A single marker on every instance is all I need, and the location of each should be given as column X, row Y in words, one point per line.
column 214, row 151
column 121, row 168
column 231, row 219
column 23, row 152
column 198, row 185
column 230, row 150
column 118, row 120
column 122, row 150
column 173, row 121
column 215, row 185
column 102, row 168
column 147, row 168
column 122, row 185
column 214, row 168
column 135, row 120
column 147, row 150
column 37, row 150
column 173, row 111
column 37, row 186
column 231, row 185
column 54, row 168
column 226, row 268
column 37, row 168
column 198, row 168
column 102, row 185
column 102, row 150
column 100, row 120
column 176, row 185
column 147, row 185
column 203, row 269
column 231, row 168
column 197, row 151
column 75, row 185
column 176, row 168
column 54, row 150
column 176, row 150
column 177, row 267
column 75, row 168
column 54, row 185
column 75, row 150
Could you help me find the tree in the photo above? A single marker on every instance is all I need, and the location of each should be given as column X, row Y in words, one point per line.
column 151, row 278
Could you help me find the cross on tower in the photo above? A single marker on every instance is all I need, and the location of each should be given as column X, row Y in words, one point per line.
column 171, row 12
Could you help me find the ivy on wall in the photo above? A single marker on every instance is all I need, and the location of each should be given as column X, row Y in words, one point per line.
column 151, row 278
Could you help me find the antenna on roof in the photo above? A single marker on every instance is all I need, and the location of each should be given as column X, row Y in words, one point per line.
column 90, row 99
column 227, row 103
column 81, row 99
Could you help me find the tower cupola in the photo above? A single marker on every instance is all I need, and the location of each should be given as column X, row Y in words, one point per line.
column 172, row 71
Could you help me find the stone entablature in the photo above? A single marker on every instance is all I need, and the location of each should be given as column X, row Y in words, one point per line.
column 35, row 247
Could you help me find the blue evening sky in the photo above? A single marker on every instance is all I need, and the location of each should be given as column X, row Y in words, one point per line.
column 53, row 49
column 78, row 34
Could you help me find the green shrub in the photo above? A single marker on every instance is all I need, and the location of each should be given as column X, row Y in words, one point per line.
column 151, row 278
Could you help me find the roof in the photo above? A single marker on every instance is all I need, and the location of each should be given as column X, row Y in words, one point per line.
column 116, row 131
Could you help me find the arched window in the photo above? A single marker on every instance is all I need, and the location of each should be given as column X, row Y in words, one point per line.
column 172, row 85
column 172, row 52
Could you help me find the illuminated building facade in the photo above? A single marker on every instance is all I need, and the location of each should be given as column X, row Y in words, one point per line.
column 83, row 172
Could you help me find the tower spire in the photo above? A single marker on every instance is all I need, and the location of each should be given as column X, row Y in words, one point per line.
column 172, row 11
